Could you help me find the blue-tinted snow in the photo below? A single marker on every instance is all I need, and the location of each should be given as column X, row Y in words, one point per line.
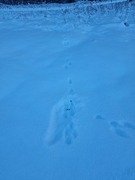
column 67, row 94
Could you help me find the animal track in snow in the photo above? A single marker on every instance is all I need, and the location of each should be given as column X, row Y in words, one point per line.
column 120, row 128
column 69, row 81
column 62, row 125
column 63, row 114
column 99, row 117
column 66, row 42
column 67, row 63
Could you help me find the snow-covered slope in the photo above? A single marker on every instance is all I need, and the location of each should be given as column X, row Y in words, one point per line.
column 67, row 97
column 59, row 16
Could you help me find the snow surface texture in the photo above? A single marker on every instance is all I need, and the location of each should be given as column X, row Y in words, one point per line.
column 119, row 127
column 62, row 122
column 64, row 113
column 57, row 17
column 67, row 92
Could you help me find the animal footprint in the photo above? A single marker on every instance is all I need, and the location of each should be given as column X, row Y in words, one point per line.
column 67, row 63
column 121, row 127
column 99, row 117
column 66, row 42
column 70, row 133
column 61, row 126
column 128, row 125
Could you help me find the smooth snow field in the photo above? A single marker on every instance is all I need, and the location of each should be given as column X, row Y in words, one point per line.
column 67, row 92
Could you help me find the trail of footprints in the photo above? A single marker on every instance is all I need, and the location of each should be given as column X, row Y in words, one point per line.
column 120, row 128
column 61, row 126
column 63, row 116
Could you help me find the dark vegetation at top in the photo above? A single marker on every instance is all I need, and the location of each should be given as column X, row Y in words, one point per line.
column 34, row 1
column 14, row 2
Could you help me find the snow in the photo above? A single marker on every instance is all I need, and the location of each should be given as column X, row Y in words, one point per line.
column 67, row 94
